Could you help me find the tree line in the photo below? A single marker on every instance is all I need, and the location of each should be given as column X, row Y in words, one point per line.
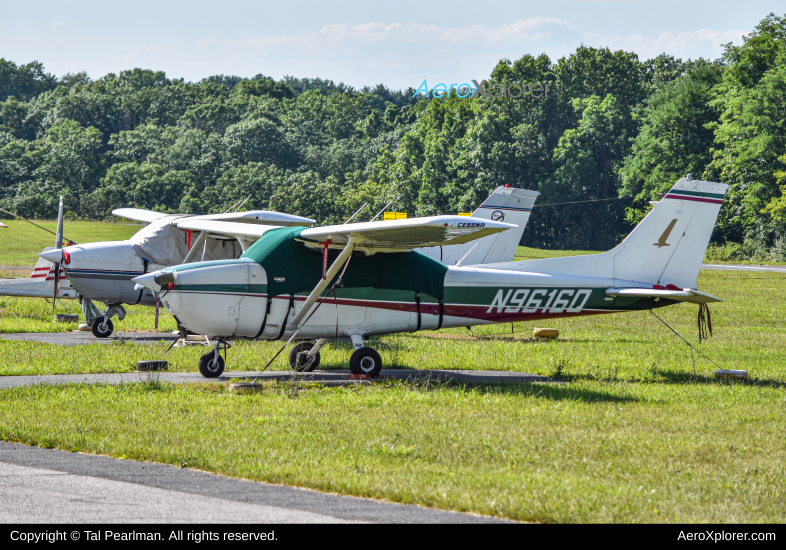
column 614, row 129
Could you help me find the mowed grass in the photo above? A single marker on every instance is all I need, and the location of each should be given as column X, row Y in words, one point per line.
column 23, row 241
column 589, row 451
column 37, row 315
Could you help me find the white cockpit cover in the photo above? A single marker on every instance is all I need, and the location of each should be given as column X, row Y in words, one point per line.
column 164, row 244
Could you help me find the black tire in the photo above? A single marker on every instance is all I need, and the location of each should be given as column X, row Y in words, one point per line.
column 299, row 361
column 149, row 366
column 365, row 361
column 210, row 368
column 101, row 330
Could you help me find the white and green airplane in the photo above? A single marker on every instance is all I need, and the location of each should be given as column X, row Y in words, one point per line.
column 280, row 288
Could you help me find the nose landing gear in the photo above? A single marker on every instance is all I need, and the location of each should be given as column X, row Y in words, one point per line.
column 211, row 364
column 304, row 356
column 365, row 361
column 101, row 324
column 102, row 327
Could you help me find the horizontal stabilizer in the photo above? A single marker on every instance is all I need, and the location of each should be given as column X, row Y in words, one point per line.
column 685, row 295
column 396, row 235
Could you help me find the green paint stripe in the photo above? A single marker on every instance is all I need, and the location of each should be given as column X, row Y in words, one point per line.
column 233, row 289
column 197, row 265
column 696, row 194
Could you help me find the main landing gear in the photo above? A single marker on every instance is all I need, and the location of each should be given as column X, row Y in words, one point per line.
column 364, row 361
column 304, row 356
column 212, row 364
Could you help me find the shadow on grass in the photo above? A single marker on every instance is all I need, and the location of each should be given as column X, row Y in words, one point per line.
column 684, row 377
column 660, row 376
column 523, row 389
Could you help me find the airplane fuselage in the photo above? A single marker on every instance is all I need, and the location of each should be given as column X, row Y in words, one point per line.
column 229, row 299
column 103, row 271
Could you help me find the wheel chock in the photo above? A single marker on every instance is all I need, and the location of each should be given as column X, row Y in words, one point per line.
column 151, row 366
column 246, row 388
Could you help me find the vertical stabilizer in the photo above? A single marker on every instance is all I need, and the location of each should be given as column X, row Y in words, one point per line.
column 505, row 204
column 666, row 248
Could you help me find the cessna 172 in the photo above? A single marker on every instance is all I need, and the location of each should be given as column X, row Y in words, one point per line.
column 275, row 288
column 102, row 271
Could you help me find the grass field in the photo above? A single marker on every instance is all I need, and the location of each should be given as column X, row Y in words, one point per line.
column 22, row 241
column 634, row 436
column 585, row 452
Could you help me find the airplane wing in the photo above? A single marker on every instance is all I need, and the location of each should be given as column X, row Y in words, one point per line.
column 261, row 217
column 686, row 295
column 397, row 235
column 240, row 231
column 138, row 214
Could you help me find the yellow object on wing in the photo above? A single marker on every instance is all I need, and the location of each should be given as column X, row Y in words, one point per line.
column 395, row 216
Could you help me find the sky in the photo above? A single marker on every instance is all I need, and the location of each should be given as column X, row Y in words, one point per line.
column 399, row 44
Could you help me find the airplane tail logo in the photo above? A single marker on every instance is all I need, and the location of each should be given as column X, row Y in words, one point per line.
column 662, row 240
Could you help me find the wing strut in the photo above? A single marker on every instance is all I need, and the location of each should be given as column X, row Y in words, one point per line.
column 323, row 283
column 199, row 246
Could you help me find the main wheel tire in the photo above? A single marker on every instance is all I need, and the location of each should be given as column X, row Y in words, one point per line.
column 365, row 361
column 101, row 329
column 209, row 366
column 298, row 359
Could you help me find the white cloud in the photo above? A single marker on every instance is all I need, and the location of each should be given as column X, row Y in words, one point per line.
column 402, row 54
column 397, row 54
column 684, row 44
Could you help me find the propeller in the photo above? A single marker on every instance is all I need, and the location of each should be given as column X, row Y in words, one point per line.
column 58, row 246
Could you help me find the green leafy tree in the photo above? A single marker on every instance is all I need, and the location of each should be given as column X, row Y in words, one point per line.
column 676, row 136
column 24, row 82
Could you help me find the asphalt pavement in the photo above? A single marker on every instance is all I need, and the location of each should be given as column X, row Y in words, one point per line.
column 739, row 267
column 326, row 377
column 51, row 486
column 80, row 338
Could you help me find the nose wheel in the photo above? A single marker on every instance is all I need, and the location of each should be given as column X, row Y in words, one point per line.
column 211, row 364
column 102, row 328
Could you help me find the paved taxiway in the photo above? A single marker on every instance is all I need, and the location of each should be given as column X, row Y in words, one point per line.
column 51, row 486
column 328, row 377
column 739, row 267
